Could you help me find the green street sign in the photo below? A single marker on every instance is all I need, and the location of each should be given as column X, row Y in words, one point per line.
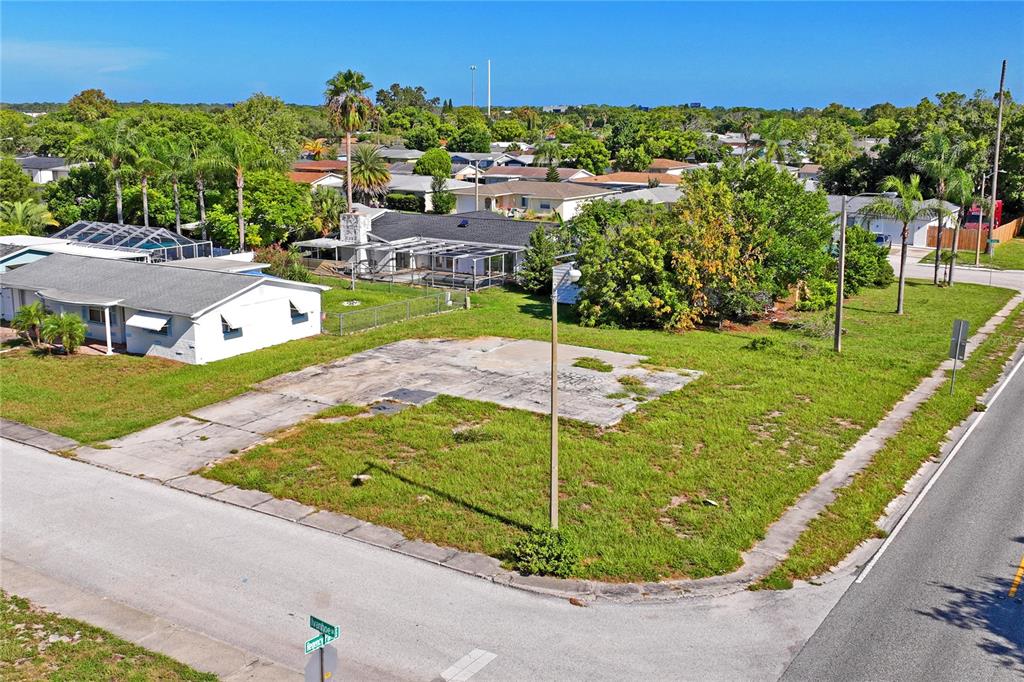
column 993, row 241
column 324, row 627
column 318, row 642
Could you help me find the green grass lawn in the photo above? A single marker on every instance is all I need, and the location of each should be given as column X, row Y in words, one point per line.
column 751, row 435
column 1007, row 256
column 851, row 518
column 82, row 653
column 367, row 293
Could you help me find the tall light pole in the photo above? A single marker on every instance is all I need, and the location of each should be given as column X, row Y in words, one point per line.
column 995, row 165
column 488, row 88
column 472, row 97
column 570, row 275
column 837, row 334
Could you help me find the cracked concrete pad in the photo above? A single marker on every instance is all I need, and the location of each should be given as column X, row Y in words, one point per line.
column 376, row 535
column 477, row 564
column 260, row 412
column 198, row 484
column 426, row 550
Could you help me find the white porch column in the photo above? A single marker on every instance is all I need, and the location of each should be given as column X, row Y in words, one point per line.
column 106, row 327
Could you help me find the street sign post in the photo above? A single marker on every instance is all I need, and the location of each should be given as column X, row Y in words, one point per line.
column 957, row 347
column 324, row 668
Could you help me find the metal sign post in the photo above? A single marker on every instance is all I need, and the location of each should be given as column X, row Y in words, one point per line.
column 957, row 347
column 324, row 668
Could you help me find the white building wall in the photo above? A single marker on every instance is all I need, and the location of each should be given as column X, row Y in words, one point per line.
column 178, row 344
column 917, row 234
column 265, row 316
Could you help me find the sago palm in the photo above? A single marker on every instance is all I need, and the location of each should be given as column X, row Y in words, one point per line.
column 368, row 173
column 25, row 217
column 348, row 109
column 905, row 207
column 29, row 319
column 67, row 329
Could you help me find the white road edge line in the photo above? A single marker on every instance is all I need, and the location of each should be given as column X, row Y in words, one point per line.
column 934, row 478
column 468, row 665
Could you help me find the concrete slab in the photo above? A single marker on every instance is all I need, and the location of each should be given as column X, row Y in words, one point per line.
column 376, row 535
column 30, row 435
column 332, row 522
column 198, row 484
column 477, row 564
column 242, row 497
column 426, row 550
column 286, row 509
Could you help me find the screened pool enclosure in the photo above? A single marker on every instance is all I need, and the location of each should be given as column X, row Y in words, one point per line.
column 155, row 243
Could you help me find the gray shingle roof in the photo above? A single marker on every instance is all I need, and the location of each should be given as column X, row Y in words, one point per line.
column 483, row 227
column 6, row 249
column 41, row 162
column 145, row 286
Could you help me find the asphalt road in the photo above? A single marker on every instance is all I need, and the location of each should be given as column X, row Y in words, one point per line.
column 1009, row 279
column 936, row 605
column 252, row 580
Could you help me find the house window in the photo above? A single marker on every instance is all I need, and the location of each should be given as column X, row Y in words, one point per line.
column 297, row 317
column 545, row 206
column 96, row 315
column 523, row 201
column 229, row 331
column 164, row 330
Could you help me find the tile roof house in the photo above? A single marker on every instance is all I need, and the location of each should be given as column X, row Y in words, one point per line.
column 507, row 173
column 629, row 180
column 187, row 314
column 322, row 166
column 670, row 166
column 528, row 196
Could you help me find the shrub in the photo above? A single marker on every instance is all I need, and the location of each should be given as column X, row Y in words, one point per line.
column 67, row 329
column 817, row 294
column 404, row 202
column 284, row 263
column 434, row 162
column 546, row 552
column 760, row 343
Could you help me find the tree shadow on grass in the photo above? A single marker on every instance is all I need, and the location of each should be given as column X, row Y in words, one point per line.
column 990, row 610
column 448, row 497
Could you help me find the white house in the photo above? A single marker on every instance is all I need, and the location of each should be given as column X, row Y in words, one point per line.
column 44, row 169
column 857, row 213
column 526, row 196
column 420, row 185
column 189, row 314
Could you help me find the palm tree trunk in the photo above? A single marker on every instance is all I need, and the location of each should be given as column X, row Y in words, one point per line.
column 177, row 208
column 956, row 238
column 145, row 201
column 118, row 195
column 348, row 168
column 903, row 270
column 239, row 185
column 938, row 251
column 201, row 192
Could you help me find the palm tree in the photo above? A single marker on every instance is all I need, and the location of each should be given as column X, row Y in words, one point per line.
column 368, row 174
column 939, row 159
column 347, row 110
column 147, row 165
column 175, row 160
column 30, row 318
column 315, row 148
column 110, row 141
column 67, row 328
column 25, row 217
column 202, row 163
column 328, row 205
column 549, row 153
column 960, row 190
column 906, row 206
column 240, row 152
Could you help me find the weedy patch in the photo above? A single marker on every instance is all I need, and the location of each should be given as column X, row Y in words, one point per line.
column 593, row 363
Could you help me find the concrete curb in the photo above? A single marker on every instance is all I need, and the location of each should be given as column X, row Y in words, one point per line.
column 758, row 561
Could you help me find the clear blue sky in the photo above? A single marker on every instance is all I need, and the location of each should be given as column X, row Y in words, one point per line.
column 761, row 54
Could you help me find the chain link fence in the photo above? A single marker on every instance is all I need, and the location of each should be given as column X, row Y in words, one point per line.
column 368, row 318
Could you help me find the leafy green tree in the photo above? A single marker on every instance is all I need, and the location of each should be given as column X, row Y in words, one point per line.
column 475, row 137
column 91, row 105
column 84, row 194
column 348, row 109
column 633, row 159
column 277, row 206
column 906, row 207
column 239, row 153
column 832, row 142
column 110, row 141
column 588, row 154
column 422, row 138
column 509, row 129
column 29, row 320
column 157, row 203
column 269, row 119
column 369, row 174
column 398, row 97
column 67, row 329
column 434, row 162
column 25, row 217
column 13, row 131
column 535, row 271
column 552, row 175
column 15, row 184
column 54, row 136
column 867, row 263
column 441, row 198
